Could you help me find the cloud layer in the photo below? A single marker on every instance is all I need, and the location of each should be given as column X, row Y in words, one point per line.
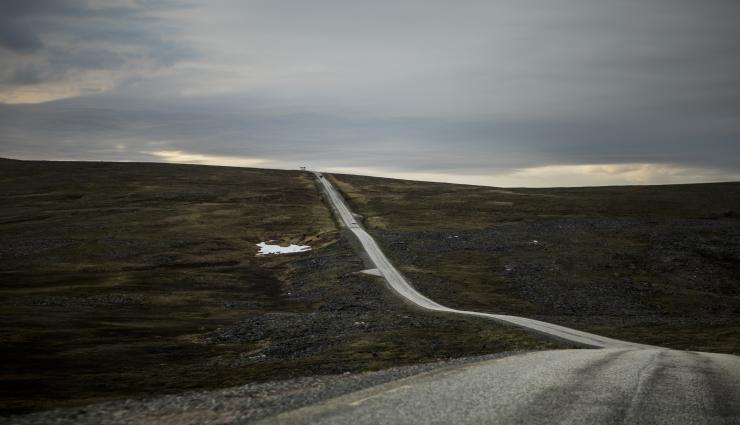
column 475, row 91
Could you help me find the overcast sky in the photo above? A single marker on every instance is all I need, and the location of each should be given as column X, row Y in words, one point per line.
column 507, row 93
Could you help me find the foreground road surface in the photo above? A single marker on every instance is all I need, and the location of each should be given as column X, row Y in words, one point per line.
column 405, row 290
column 609, row 386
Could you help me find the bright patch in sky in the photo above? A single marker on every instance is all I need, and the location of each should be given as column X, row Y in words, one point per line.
column 203, row 159
column 567, row 175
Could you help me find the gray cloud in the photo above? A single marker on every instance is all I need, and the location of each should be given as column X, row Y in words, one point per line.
column 476, row 87
column 59, row 37
column 18, row 37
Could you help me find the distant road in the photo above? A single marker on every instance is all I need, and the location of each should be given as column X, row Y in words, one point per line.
column 621, row 383
column 405, row 290
column 590, row 387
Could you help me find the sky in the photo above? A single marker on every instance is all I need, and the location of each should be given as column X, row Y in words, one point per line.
column 504, row 93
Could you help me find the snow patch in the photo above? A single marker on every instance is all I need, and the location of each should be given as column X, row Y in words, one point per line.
column 266, row 249
column 374, row 272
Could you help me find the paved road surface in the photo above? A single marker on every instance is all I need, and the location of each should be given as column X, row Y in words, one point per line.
column 621, row 383
column 608, row 386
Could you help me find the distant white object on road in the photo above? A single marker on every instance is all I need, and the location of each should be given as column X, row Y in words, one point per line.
column 266, row 249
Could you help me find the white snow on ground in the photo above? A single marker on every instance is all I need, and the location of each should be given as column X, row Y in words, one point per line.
column 266, row 249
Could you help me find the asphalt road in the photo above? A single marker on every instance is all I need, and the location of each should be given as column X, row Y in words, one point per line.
column 399, row 284
column 607, row 386
column 620, row 383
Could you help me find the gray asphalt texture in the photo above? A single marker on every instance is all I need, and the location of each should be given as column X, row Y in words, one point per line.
column 605, row 386
column 619, row 383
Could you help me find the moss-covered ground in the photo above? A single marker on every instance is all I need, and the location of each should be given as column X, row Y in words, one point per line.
column 654, row 264
column 123, row 280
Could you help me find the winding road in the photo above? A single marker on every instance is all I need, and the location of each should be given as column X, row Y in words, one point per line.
column 400, row 285
column 619, row 383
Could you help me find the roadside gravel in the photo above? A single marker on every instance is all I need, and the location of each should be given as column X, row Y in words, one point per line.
column 237, row 405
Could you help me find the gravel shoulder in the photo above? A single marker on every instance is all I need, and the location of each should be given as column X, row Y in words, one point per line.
column 237, row 405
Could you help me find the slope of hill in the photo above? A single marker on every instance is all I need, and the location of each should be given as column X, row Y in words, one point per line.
column 128, row 280
column 652, row 264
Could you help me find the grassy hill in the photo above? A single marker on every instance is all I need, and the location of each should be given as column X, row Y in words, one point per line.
column 127, row 280
column 653, row 264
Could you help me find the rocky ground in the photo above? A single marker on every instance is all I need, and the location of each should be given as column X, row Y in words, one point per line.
column 654, row 264
column 629, row 277
column 358, row 323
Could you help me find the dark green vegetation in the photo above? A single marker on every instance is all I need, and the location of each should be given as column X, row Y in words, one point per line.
column 127, row 280
column 653, row 264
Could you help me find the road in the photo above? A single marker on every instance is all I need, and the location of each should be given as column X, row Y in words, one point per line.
column 619, row 383
column 401, row 286
column 608, row 386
